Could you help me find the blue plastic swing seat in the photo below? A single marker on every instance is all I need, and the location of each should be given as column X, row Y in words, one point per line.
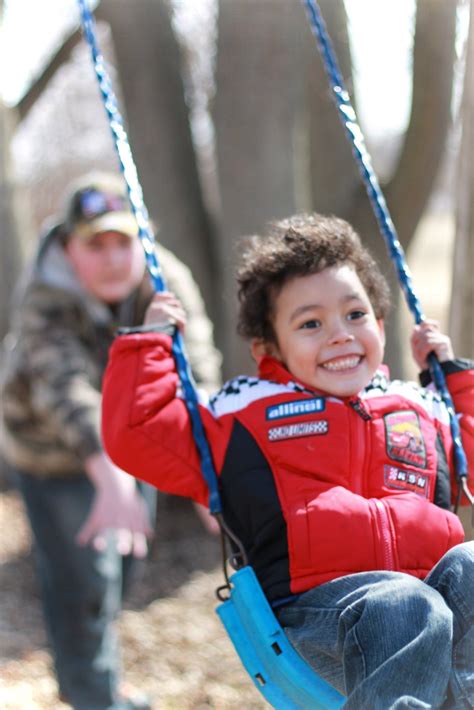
column 276, row 668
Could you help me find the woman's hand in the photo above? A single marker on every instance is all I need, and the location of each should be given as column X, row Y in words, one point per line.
column 427, row 338
column 118, row 506
column 165, row 308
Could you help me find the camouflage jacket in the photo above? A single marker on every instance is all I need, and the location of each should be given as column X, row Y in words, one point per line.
column 56, row 352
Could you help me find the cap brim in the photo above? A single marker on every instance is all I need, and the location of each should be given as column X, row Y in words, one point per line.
column 121, row 222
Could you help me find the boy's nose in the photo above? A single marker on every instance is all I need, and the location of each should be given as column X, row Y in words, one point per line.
column 340, row 333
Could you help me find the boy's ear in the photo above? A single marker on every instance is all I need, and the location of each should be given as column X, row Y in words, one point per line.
column 259, row 348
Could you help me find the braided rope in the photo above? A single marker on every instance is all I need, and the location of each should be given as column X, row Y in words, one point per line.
column 387, row 228
column 145, row 234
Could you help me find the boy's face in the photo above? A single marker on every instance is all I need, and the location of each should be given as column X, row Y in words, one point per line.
column 109, row 265
column 326, row 332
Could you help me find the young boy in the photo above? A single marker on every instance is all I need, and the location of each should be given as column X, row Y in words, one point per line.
column 88, row 278
column 337, row 481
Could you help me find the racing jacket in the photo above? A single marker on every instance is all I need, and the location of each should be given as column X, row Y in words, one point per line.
column 314, row 486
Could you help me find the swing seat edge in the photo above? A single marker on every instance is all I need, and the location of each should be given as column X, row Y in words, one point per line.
column 277, row 670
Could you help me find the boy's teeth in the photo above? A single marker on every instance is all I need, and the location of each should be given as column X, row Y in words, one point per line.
column 342, row 364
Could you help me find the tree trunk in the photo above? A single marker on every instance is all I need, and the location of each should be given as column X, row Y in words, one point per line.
column 430, row 118
column 280, row 145
column 159, row 131
column 333, row 172
column 462, row 296
column 260, row 85
column 412, row 181
column 10, row 251
column 10, row 245
column 12, row 218
column 462, row 299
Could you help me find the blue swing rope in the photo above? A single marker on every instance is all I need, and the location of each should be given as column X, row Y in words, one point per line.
column 276, row 669
column 129, row 170
column 387, row 228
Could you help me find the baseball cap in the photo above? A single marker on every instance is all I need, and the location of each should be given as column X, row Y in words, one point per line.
column 97, row 203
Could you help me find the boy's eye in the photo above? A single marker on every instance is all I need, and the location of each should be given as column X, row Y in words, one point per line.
column 309, row 324
column 356, row 314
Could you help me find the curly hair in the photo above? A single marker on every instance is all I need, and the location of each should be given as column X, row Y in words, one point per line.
column 299, row 246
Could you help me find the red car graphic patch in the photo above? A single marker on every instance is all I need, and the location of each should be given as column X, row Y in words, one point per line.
column 404, row 438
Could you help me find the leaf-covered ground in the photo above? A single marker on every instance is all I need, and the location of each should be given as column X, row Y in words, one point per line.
column 174, row 647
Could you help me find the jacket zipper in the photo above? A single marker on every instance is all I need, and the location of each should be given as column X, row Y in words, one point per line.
column 358, row 407
column 359, row 443
column 382, row 517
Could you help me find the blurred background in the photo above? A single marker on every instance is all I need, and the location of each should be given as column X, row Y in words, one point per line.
column 231, row 123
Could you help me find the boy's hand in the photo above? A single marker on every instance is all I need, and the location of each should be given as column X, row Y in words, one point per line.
column 427, row 338
column 118, row 506
column 165, row 308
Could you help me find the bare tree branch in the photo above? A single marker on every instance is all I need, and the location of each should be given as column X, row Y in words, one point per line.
column 59, row 58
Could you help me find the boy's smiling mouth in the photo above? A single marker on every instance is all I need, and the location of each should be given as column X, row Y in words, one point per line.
column 339, row 364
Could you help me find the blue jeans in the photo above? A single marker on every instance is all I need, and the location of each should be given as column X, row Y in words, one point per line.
column 387, row 640
column 81, row 589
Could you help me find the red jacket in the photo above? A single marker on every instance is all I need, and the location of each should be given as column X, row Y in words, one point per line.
column 315, row 486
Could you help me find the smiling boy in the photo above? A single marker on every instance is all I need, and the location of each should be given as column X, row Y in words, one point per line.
column 334, row 345
column 346, row 522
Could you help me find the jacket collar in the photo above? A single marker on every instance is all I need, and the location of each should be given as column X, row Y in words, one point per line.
column 269, row 368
